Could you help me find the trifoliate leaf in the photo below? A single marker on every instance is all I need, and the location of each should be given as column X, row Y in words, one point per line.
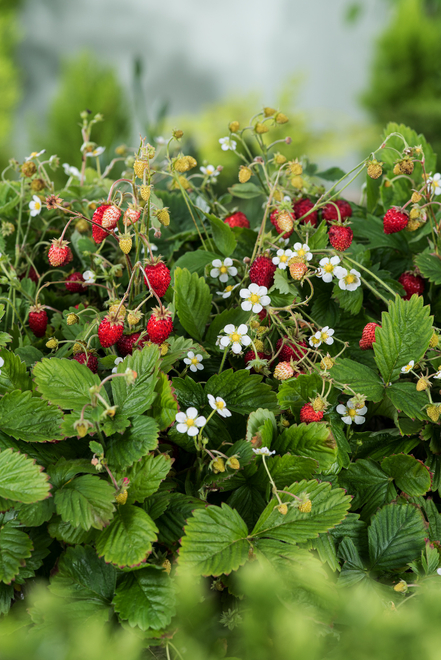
column 65, row 382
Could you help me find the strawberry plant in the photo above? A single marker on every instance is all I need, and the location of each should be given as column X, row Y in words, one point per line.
column 194, row 379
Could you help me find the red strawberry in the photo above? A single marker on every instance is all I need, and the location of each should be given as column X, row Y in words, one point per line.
column 412, row 284
column 262, row 271
column 160, row 325
column 38, row 320
column 395, row 220
column 126, row 343
column 368, row 336
column 131, row 215
column 32, row 274
column 238, row 219
column 303, row 206
column 308, row 414
column 89, row 360
column 290, row 349
column 59, row 253
column 340, row 237
column 111, row 216
column 110, row 331
column 283, row 221
column 159, row 277
column 330, row 212
column 74, row 283
column 99, row 234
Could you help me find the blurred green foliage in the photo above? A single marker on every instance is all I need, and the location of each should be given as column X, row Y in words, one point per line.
column 405, row 84
column 9, row 74
column 85, row 85
column 298, row 616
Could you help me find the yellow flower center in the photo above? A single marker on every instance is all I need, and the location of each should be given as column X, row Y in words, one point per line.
column 324, row 336
column 283, row 258
column 435, row 183
column 328, row 268
column 223, row 269
column 254, row 298
column 407, row 367
column 229, row 288
column 190, row 422
column 220, row 404
column 349, row 279
column 352, row 412
column 235, row 337
column 194, row 361
column 301, row 252
column 315, row 340
column 37, row 205
column 33, row 154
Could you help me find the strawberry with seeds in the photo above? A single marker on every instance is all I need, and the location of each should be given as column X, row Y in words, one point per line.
column 158, row 275
column 237, row 219
column 38, row 320
column 59, row 253
column 340, row 237
column 368, row 336
column 395, row 220
column 262, row 272
column 160, row 325
column 110, row 330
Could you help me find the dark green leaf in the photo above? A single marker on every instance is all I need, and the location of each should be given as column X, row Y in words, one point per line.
column 410, row 475
column 86, row 502
column 222, row 235
column 30, row 419
column 137, row 441
column 193, row 302
column 65, row 382
column 130, row 522
column 136, row 398
column 13, row 374
column 21, row 479
column 243, row 392
column 359, row 377
column 396, row 536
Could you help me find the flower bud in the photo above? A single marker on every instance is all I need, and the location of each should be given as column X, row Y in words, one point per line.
column 244, row 174
column 121, row 150
column 52, row 343
column 281, row 118
column 327, row 363
column 401, row 587
column 82, row 427
column 261, row 128
column 234, row 126
column 72, row 319
column 295, row 168
column 130, row 376
column 37, row 185
column 150, row 151
column 319, row 404
column 177, row 133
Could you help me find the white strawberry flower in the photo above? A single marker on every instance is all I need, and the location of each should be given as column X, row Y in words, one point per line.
column 227, row 143
column 282, row 258
column 437, row 375
column 302, row 251
column 438, row 570
column 35, row 206
column 327, row 267
column 237, row 337
column 95, row 152
column 116, row 363
column 226, row 293
column 351, row 413
column 316, row 340
column 89, row 277
column 223, row 269
column 434, row 184
column 263, row 451
column 1, row 363
column 211, row 172
column 347, row 281
column 283, row 241
column 71, row 171
column 194, row 361
column 189, row 422
column 408, row 367
column 256, row 298
column 326, row 335
column 35, row 154
column 219, row 405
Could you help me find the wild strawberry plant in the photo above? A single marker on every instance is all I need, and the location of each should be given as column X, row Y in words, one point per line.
column 194, row 378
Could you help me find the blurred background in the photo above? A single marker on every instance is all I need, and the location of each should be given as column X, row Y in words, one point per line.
column 340, row 69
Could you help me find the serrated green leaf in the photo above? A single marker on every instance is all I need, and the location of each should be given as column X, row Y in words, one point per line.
column 193, row 302
column 21, row 479
column 319, row 239
column 65, row 532
column 29, row 354
column 222, row 235
column 137, row 441
column 195, row 261
column 243, row 392
column 329, row 507
column 249, row 503
column 84, row 577
column 165, row 405
column 406, row 329
column 30, row 419
column 369, row 484
column 13, row 374
column 282, row 284
column 215, row 542
column 15, row 548
column 34, row 515
column 410, row 475
column 331, row 174
column 287, row 469
column 130, row 522
column 146, row 598
column 6, row 596
column 136, row 398
column 313, row 440
column 350, row 301
column 396, row 536
column 178, row 348
column 86, row 502
column 429, row 265
column 257, row 419
column 65, row 382
column 405, row 397
column 172, row 522
column 294, row 393
column 146, row 475
column 359, row 377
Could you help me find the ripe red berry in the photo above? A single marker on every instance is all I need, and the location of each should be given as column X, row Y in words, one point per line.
column 368, row 336
column 74, row 283
column 330, row 213
column 89, row 360
column 59, row 253
column 98, row 233
column 340, row 237
column 110, row 331
column 395, row 220
column 283, row 221
column 32, row 274
column 110, row 217
column 238, row 219
column 412, row 284
column 159, row 325
column 159, row 277
column 38, row 320
column 290, row 350
column 262, row 271
column 308, row 414
column 303, row 206
column 126, row 343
